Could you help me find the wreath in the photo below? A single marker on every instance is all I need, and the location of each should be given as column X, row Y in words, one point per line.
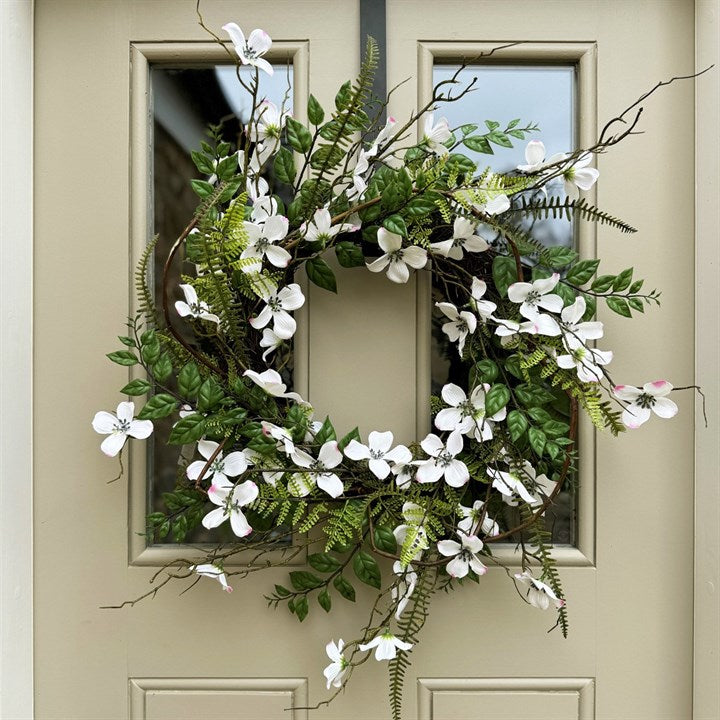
column 516, row 315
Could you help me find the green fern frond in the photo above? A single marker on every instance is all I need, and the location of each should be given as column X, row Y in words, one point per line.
column 145, row 295
column 557, row 207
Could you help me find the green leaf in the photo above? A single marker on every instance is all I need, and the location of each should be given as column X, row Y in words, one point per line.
column 209, row 395
column 202, row 162
column 395, row 224
column 496, row 399
column 484, row 371
column 323, row 562
column 467, row 129
column 150, row 348
column 636, row 304
column 343, row 96
column 554, row 428
column 189, row 381
column 349, row 254
column 227, row 167
column 492, row 125
column 552, row 449
column 304, row 580
column 125, row 340
column 500, row 138
column 603, row 283
column 298, row 135
column 517, row 424
column 315, row 112
column 366, row 569
column 325, row 433
column 301, row 607
column 619, row 305
column 461, row 163
column 420, row 206
column 179, row 529
column 539, row 415
column 623, row 280
column 635, row 287
column 285, row 166
column 558, row 257
column 123, row 357
column 384, row 539
column 354, row 434
column 162, row 367
column 325, row 601
column 230, row 189
column 282, row 591
column 537, row 440
column 478, row 143
column 581, row 272
column 187, row 430
column 320, row 273
column 504, row 273
column 532, row 395
column 344, row 588
column 136, row 387
column 202, row 188
column 158, row 406
column 327, row 156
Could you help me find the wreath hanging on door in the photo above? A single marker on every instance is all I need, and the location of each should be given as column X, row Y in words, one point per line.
column 517, row 315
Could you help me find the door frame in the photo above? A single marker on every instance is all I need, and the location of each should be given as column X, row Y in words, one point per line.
column 16, row 370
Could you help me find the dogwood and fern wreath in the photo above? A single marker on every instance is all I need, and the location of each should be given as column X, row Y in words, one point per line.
column 518, row 314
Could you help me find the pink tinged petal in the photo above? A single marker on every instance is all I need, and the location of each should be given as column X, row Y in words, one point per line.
column 518, row 292
column 214, row 518
column 627, row 392
column 378, row 265
column 254, row 232
column 284, row 325
column 454, row 443
column 442, row 248
column 259, row 41
column 195, row 468
column 206, row 448
column 457, row 567
column 245, row 493
column 472, row 543
column 301, row 458
column 590, row 330
column 463, row 227
column 398, row 272
column 140, row 429
column 239, row 524
column 432, row 445
column 380, row 441
column 379, row 468
column 331, row 484
column 586, row 178
column 547, row 325
column 475, row 244
column 554, row 303
column 535, row 152
column 429, row 472
column 209, row 317
column 665, row 408
column 220, row 489
column 183, row 309
column 477, row 567
column 449, row 548
column 497, row 205
column 235, row 464
column 236, row 34
column 415, row 257
column 657, row 388
column 388, row 241
column 357, row 451
column 125, row 411
column 634, row 416
column 566, row 362
column 330, row 455
column 291, row 297
column 399, row 454
column 545, row 285
column 113, row 444
column 262, row 319
column 456, row 474
column 276, row 228
column 449, row 419
column 588, row 372
column 453, row 394
column 277, row 256
column 572, row 313
column 104, row 422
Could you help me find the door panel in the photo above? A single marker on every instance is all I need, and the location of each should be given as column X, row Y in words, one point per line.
column 629, row 651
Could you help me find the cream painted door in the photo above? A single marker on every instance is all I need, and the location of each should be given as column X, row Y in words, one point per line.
column 210, row 655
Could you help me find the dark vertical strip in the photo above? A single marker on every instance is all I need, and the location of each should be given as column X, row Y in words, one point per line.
column 373, row 23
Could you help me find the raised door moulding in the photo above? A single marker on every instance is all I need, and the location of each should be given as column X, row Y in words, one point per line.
column 577, row 696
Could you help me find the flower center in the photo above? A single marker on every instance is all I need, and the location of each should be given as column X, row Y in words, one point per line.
column 274, row 304
column 467, row 409
column 377, row 454
column 578, row 354
column 195, row 308
column 217, row 466
column 646, row 401
column 533, row 297
column 262, row 244
column 444, row 458
column 121, row 426
column 396, row 255
column 317, row 466
column 250, row 54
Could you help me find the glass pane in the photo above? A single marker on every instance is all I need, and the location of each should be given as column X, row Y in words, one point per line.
column 186, row 101
column 541, row 95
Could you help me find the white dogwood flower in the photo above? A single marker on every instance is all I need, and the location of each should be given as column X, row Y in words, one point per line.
column 510, row 483
column 538, row 593
column 434, row 135
column 271, row 382
column 475, row 518
column 381, row 137
column 271, row 341
column 571, row 317
column 269, row 122
column 379, row 453
column 484, row 308
column 230, row 500
column 467, row 415
column 193, row 307
column 535, row 157
column 329, row 457
column 261, row 243
column 651, row 398
column 386, row 646
column 535, row 295
column 250, row 51
column 397, row 258
column 405, row 587
column 463, row 554
column 462, row 323
column 442, row 461
column 213, row 571
column 283, row 436
column 335, row 671
column 359, row 184
column 404, row 474
column 278, row 303
column 586, row 361
column 119, row 426
column 579, row 176
column 463, row 238
column 221, row 468
column 321, row 229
